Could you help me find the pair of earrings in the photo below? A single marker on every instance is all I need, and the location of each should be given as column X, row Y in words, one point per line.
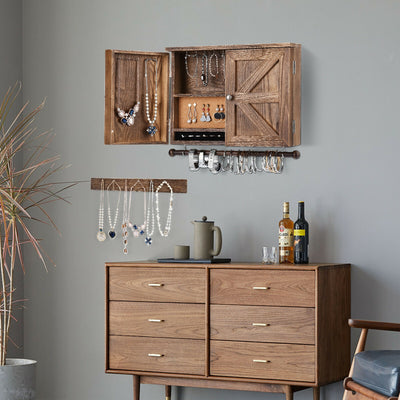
column 205, row 115
column 128, row 118
column 219, row 112
column 192, row 115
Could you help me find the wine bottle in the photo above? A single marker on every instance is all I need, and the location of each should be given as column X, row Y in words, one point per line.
column 301, row 237
column 286, row 237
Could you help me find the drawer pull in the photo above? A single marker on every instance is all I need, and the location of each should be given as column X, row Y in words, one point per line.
column 261, row 287
column 155, row 320
column 261, row 361
column 155, row 355
column 259, row 324
column 155, row 284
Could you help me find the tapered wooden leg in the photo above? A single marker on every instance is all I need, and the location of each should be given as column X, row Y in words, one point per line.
column 316, row 393
column 136, row 387
column 167, row 392
column 289, row 393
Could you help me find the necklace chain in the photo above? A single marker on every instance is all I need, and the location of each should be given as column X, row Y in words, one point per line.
column 187, row 56
column 113, row 223
column 150, row 215
column 164, row 232
column 151, row 129
column 101, row 236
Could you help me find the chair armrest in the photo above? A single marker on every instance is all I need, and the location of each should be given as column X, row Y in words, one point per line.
column 383, row 326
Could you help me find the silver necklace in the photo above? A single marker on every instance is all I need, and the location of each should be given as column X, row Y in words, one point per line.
column 151, row 130
column 150, row 215
column 187, row 56
column 101, row 236
column 113, row 223
column 216, row 65
column 138, row 229
column 125, row 221
column 164, row 232
column 204, row 69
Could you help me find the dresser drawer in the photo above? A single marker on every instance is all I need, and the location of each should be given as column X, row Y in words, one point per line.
column 264, row 361
column 262, row 324
column 180, row 356
column 174, row 320
column 182, row 285
column 261, row 287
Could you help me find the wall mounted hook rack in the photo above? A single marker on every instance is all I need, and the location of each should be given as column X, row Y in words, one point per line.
column 257, row 153
column 178, row 185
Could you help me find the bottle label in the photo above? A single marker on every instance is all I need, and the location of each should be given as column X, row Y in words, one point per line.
column 299, row 232
column 285, row 237
column 284, row 253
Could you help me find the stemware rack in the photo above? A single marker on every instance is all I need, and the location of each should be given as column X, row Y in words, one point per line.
column 256, row 153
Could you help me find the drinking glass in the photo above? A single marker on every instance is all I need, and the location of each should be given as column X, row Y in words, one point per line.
column 265, row 255
column 273, row 256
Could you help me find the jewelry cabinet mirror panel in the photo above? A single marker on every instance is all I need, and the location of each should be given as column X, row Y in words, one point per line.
column 136, row 97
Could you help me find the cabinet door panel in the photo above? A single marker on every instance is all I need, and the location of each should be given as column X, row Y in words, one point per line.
column 260, row 287
column 180, row 285
column 181, row 356
column 260, row 83
column 265, row 361
column 172, row 320
column 263, row 324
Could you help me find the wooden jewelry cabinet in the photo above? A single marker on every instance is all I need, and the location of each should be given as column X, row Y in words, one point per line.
column 258, row 88
column 238, row 326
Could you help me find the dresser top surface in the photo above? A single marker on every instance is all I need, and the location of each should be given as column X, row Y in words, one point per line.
column 232, row 265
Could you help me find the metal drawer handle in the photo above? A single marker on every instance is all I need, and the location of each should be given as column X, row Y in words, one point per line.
column 155, row 355
column 155, row 320
column 260, row 324
column 261, row 287
column 261, row 361
column 155, row 284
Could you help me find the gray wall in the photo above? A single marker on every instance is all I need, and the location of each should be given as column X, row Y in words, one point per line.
column 10, row 73
column 347, row 173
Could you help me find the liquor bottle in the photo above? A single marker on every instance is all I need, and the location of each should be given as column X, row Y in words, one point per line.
column 301, row 237
column 286, row 237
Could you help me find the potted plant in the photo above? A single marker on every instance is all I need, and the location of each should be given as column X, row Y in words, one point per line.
column 25, row 190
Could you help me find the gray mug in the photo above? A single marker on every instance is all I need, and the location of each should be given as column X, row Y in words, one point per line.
column 181, row 252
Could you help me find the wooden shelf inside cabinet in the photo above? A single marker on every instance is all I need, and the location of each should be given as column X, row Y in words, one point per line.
column 259, row 86
column 125, row 85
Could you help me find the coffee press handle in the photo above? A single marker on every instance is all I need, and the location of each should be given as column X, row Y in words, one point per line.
column 218, row 241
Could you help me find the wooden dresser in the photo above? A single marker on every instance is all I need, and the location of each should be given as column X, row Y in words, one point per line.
column 275, row 328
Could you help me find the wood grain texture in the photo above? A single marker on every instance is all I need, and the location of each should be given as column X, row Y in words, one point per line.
column 137, row 284
column 283, row 288
column 125, row 86
column 333, row 332
column 356, row 391
column 263, row 324
column 283, row 361
column 176, row 355
column 178, row 185
column 173, row 320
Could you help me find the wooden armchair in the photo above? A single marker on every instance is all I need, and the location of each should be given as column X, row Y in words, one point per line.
column 374, row 375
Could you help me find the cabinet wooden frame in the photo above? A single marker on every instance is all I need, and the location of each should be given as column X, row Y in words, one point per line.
column 326, row 301
column 258, row 86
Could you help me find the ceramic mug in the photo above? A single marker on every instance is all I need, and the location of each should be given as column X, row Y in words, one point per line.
column 181, row 252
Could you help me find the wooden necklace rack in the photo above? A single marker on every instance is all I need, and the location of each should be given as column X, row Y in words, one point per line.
column 256, row 153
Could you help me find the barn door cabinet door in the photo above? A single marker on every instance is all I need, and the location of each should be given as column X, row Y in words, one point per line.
column 125, row 86
column 263, row 97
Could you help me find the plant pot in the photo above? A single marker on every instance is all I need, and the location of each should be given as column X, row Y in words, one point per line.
column 18, row 379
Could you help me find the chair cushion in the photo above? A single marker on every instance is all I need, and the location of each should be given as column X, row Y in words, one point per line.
column 378, row 370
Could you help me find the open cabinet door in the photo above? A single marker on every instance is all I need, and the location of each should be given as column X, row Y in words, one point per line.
column 259, row 89
column 125, row 86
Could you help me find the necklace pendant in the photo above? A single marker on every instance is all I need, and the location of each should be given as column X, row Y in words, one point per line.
column 112, row 234
column 101, row 236
column 151, row 130
column 148, row 241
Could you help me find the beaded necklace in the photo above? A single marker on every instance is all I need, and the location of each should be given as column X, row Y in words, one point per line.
column 151, row 130
column 164, row 232
column 101, row 236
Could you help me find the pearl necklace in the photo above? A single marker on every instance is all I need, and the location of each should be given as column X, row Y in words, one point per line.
column 113, row 224
column 150, row 213
column 138, row 230
column 125, row 221
column 101, row 236
column 164, row 232
column 151, row 130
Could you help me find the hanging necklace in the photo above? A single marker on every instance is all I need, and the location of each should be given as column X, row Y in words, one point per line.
column 204, row 69
column 216, row 65
column 113, row 223
column 150, row 215
column 164, row 232
column 101, row 236
column 127, row 118
column 187, row 56
column 151, row 130
column 138, row 229
column 125, row 220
